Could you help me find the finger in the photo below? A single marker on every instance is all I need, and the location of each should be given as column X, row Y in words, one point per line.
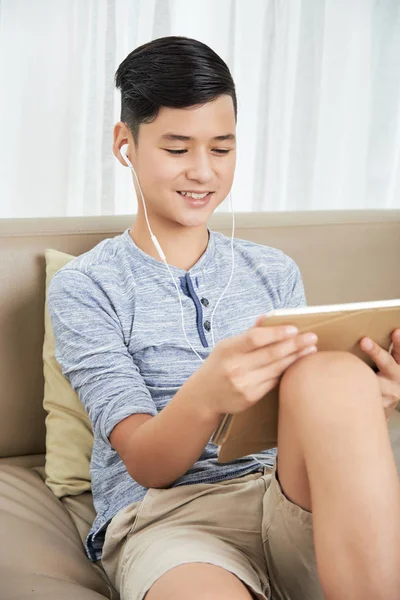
column 390, row 393
column 257, row 337
column 383, row 360
column 277, row 368
column 389, row 388
column 265, row 379
column 396, row 345
column 275, row 352
column 264, row 387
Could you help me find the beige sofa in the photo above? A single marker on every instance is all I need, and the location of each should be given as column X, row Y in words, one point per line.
column 343, row 256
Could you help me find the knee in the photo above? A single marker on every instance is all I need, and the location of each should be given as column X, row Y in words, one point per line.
column 328, row 369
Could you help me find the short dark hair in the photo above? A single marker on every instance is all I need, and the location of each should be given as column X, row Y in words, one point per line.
column 172, row 71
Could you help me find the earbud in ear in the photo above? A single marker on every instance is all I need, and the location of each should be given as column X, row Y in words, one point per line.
column 124, row 150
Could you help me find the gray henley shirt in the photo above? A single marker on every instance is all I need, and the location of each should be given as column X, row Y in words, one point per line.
column 118, row 338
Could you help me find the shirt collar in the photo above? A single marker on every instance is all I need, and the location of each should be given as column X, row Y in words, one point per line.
column 204, row 260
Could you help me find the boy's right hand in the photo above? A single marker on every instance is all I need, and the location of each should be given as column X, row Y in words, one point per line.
column 241, row 369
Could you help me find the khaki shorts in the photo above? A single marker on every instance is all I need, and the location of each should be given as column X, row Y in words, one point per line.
column 244, row 525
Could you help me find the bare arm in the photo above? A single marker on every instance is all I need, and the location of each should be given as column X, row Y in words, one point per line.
column 158, row 450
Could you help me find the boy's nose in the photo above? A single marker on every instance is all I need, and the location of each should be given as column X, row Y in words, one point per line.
column 200, row 170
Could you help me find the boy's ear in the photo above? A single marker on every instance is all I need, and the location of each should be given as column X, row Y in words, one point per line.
column 122, row 136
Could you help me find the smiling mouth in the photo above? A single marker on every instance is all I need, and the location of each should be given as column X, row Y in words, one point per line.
column 196, row 201
column 195, row 195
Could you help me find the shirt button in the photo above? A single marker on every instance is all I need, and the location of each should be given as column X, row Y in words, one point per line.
column 207, row 325
column 205, row 302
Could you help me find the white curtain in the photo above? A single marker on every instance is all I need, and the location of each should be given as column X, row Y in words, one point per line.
column 318, row 84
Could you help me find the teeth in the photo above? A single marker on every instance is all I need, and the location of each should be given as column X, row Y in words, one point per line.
column 193, row 195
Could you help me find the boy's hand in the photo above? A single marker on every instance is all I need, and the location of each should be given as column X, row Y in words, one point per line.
column 241, row 369
column 389, row 370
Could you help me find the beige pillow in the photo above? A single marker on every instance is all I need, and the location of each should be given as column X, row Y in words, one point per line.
column 69, row 436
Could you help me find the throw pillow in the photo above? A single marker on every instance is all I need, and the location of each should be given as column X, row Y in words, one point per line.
column 69, row 436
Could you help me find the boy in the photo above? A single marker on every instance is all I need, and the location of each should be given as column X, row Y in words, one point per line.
column 171, row 521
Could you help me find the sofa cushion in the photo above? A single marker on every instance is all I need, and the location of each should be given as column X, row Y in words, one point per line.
column 80, row 508
column 41, row 550
column 69, row 437
column 35, row 586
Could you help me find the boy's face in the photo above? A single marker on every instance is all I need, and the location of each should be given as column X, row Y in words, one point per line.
column 203, row 164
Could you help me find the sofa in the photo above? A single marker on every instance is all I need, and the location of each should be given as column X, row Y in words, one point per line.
column 344, row 256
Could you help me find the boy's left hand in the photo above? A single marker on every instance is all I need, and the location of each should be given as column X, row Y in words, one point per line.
column 389, row 370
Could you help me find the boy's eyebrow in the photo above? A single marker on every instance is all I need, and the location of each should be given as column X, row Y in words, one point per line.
column 187, row 138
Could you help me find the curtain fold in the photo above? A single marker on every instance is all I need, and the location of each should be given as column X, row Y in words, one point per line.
column 318, row 84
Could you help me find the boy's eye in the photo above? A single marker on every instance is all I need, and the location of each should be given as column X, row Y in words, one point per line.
column 218, row 150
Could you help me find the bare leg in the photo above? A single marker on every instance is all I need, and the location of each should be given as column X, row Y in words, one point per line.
column 335, row 460
column 198, row 581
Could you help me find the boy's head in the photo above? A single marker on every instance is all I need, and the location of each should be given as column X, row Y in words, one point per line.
column 176, row 86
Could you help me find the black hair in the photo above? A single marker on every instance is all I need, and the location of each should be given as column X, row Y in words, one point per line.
column 172, row 71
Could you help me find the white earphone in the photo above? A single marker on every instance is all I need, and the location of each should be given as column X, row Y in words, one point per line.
column 161, row 254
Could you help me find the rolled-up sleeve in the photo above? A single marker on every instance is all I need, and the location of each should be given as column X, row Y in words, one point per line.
column 92, row 353
column 292, row 289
